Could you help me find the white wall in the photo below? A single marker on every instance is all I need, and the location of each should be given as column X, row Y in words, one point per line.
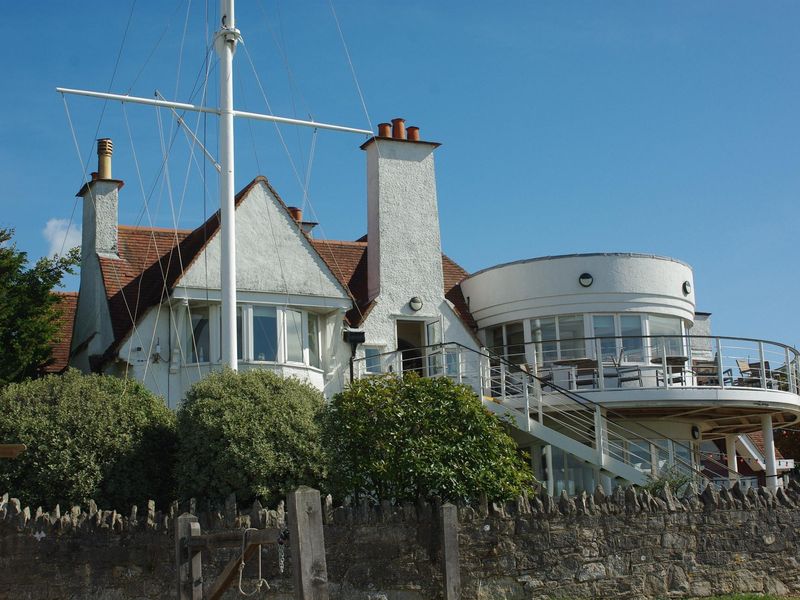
column 549, row 286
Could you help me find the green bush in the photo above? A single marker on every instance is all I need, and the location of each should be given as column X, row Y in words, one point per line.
column 391, row 437
column 88, row 436
column 254, row 434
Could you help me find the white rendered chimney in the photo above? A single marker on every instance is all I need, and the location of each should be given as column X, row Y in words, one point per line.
column 100, row 206
column 404, row 257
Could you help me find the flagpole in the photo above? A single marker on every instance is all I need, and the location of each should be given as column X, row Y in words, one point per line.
column 225, row 45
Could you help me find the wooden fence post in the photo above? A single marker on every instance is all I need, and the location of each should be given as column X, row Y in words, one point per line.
column 310, row 571
column 450, row 562
column 188, row 562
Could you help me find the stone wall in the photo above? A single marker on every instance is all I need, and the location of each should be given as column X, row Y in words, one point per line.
column 627, row 545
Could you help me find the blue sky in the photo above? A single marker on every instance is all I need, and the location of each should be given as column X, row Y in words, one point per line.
column 661, row 127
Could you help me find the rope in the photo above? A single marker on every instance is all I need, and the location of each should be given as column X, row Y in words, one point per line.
column 261, row 582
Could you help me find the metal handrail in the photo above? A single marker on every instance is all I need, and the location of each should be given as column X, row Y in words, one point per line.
column 511, row 369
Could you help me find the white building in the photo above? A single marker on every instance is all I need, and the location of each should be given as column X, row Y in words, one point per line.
column 601, row 361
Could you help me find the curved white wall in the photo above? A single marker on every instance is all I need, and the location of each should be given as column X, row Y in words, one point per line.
column 549, row 286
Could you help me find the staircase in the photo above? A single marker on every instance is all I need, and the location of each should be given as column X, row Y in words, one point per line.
column 540, row 411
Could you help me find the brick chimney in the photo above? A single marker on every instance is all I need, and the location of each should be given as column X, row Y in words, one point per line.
column 100, row 206
column 404, row 257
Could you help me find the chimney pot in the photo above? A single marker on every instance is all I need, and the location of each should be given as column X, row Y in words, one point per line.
column 105, row 148
column 94, row 176
column 384, row 130
column 297, row 213
column 413, row 133
column 399, row 129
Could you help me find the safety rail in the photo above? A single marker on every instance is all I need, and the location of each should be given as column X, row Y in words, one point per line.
column 560, row 416
column 659, row 361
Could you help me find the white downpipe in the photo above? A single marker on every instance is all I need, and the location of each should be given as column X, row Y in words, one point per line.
column 730, row 451
column 769, row 451
column 225, row 46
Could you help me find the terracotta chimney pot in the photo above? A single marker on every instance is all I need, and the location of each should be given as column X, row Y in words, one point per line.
column 399, row 129
column 297, row 213
column 413, row 133
column 384, row 130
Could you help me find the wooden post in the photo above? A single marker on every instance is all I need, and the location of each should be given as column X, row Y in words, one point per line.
column 309, row 569
column 188, row 562
column 450, row 566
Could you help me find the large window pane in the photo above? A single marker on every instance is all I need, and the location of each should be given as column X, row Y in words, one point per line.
column 313, row 341
column 515, row 343
column 570, row 332
column 239, row 333
column 198, row 342
column 670, row 328
column 633, row 348
column 604, row 329
column 372, row 360
column 543, row 332
column 294, row 336
column 495, row 340
column 265, row 333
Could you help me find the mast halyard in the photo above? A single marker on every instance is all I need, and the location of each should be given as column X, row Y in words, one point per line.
column 225, row 45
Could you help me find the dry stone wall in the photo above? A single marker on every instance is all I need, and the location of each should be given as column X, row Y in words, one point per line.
column 631, row 544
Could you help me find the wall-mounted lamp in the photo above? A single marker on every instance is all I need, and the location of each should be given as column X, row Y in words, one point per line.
column 586, row 279
column 415, row 303
column 695, row 432
column 687, row 288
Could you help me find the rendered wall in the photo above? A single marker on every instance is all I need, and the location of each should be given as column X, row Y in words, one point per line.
column 549, row 286
column 629, row 545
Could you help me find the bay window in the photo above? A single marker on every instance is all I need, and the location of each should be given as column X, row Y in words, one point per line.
column 264, row 333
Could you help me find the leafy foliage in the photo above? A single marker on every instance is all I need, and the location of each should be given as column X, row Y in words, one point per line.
column 88, row 436
column 254, row 434
column 674, row 476
column 28, row 311
column 391, row 437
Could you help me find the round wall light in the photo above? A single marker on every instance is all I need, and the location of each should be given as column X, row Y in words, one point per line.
column 415, row 303
column 687, row 288
column 585, row 279
column 695, row 432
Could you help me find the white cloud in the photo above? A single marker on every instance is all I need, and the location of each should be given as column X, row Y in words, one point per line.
column 55, row 232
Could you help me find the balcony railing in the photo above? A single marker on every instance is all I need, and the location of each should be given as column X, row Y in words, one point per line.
column 602, row 363
column 555, row 416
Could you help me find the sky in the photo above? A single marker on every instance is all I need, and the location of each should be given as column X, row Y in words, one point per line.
column 669, row 128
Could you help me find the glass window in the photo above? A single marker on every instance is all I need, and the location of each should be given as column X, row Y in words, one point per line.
column 544, row 331
column 639, row 455
column 198, row 342
column 495, row 340
column 515, row 343
column 238, row 332
column 632, row 347
column 570, row 332
column 372, row 360
column 604, row 329
column 683, row 454
column 294, row 336
column 452, row 360
column 265, row 333
column 670, row 328
column 313, row 341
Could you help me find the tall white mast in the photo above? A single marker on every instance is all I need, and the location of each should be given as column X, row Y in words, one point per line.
column 225, row 45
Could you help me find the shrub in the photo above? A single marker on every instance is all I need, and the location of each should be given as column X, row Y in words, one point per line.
column 254, row 434
column 391, row 437
column 88, row 436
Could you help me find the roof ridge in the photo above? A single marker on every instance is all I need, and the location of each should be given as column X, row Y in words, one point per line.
column 150, row 228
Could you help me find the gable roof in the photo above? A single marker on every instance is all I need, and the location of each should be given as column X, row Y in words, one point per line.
column 67, row 305
column 151, row 261
column 348, row 262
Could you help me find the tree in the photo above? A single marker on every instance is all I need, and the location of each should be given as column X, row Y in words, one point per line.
column 28, row 309
column 88, row 436
column 255, row 434
column 398, row 438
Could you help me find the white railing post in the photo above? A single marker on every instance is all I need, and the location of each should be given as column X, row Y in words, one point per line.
column 600, row 436
column 527, row 404
column 720, row 374
column 460, row 364
column 789, row 372
column 664, row 361
column 761, row 361
column 598, row 352
column 502, row 381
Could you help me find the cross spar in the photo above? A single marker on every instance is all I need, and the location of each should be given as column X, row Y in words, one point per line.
column 225, row 42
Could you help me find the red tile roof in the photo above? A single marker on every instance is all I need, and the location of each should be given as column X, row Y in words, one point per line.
column 152, row 259
column 348, row 262
column 758, row 441
column 68, row 302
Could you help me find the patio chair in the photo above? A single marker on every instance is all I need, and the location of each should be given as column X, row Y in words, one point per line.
column 706, row 372
column 626, row 373
column 750, row 373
